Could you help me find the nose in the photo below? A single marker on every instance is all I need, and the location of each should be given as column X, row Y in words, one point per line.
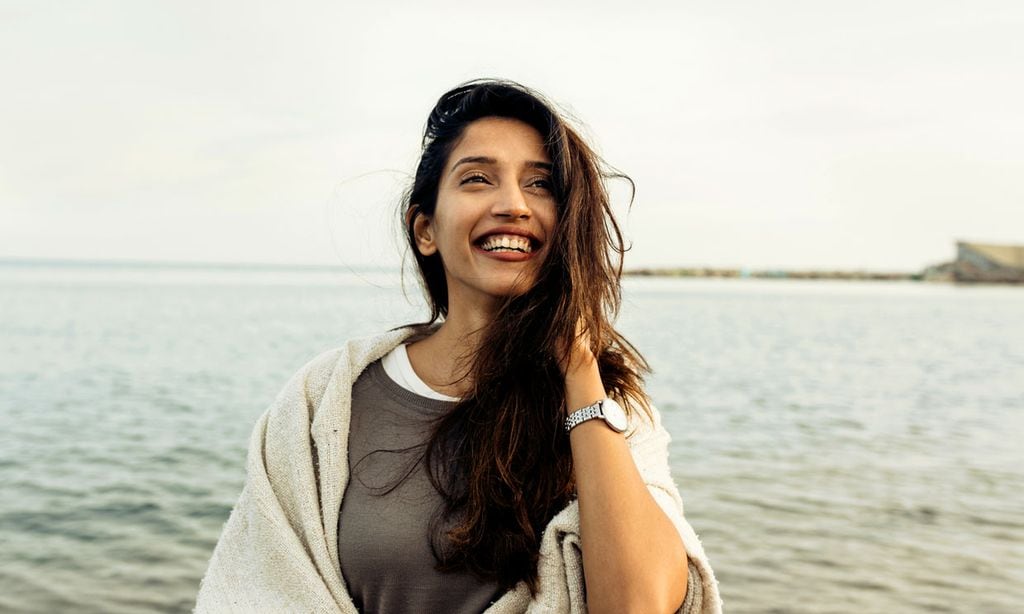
column 511, row 202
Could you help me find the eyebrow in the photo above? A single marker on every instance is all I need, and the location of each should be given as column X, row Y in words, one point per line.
column 488, row 160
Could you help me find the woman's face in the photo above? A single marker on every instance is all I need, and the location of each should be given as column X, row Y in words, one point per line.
column 495, row 212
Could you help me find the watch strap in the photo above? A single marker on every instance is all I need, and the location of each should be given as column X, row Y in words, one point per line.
column 582, row 415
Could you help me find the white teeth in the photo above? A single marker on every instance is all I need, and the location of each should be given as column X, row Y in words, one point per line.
column 508, row 243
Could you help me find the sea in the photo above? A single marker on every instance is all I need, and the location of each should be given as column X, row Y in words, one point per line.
column 840, row 446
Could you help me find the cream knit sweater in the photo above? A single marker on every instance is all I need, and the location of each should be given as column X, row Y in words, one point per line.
column 278, row 551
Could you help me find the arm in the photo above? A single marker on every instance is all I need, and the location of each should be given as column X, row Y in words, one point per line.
column 633, row 557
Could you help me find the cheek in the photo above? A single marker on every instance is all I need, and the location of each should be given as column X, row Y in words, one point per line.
column 550, row 217
column 452, row 233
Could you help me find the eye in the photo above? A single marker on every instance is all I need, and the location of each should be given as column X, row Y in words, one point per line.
column 473, row 179
column 541, row 182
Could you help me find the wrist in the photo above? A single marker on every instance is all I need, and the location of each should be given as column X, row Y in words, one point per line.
column 583, row 386
column 607, row 409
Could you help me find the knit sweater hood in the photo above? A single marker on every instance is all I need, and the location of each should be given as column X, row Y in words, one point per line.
column 278, row 551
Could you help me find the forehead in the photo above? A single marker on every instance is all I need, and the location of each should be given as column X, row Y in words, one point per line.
column 506, row 139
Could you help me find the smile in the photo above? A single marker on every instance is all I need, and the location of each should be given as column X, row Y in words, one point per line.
column 506, row 243
column 506, row 255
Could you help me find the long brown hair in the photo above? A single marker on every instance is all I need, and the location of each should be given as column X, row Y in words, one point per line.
column 501, row 458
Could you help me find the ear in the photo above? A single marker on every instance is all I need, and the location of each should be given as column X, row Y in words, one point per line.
column 422, row 231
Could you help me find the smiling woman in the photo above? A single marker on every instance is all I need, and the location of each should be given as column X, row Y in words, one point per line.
column 494, row 207
column 502, row 455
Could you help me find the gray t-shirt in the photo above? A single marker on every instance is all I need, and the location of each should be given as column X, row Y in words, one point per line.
column 383, row 539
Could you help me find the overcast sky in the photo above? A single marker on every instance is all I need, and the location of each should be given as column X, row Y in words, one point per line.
column 783, row 134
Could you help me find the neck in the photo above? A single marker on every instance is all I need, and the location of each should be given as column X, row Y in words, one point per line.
column 442, row 360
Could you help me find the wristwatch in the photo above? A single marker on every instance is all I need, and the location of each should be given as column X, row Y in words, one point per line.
column 606, row 409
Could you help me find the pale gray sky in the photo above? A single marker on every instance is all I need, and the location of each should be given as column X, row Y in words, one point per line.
column 784, row 134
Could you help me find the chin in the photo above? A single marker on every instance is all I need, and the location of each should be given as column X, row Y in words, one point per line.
column 511, row 289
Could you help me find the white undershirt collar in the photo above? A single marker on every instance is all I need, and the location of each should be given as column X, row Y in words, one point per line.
column 397, row 366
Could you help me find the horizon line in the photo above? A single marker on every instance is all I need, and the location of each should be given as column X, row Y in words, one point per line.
column 186, row 264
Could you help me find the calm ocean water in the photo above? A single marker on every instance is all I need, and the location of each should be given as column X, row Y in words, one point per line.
column 840, row 447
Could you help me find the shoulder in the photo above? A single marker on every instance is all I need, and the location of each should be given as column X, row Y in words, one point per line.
column 311, row 379
column 335, row 368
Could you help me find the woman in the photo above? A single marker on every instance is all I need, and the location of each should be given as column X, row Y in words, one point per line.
column 504, row 456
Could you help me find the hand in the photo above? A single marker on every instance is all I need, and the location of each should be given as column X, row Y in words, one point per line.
column 579, row 354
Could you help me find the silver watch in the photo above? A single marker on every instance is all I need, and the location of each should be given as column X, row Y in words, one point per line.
column 606, row 409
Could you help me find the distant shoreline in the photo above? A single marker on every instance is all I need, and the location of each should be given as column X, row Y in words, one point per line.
column 772, row 274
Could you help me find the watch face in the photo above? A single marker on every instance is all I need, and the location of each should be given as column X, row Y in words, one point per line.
column 614, row 415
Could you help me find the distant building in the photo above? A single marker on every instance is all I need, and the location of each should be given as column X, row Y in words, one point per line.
column 983, row 262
